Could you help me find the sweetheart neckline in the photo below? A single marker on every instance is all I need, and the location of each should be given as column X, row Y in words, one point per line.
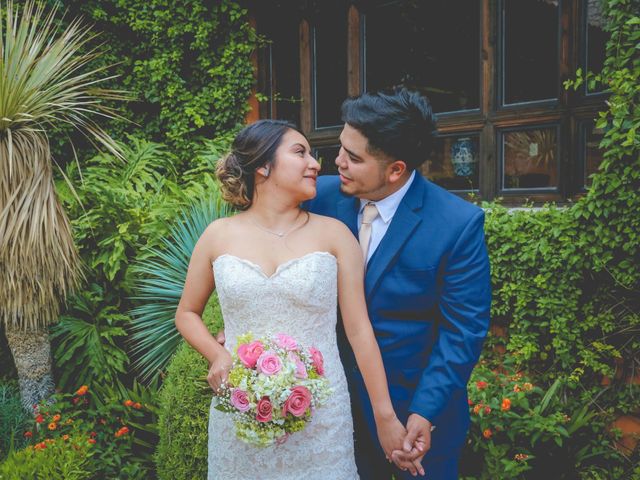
column 280, row 267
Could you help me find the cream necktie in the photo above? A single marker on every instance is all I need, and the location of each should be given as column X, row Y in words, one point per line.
column 369, row 213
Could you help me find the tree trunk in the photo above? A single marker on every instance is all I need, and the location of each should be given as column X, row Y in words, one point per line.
column 31, row 352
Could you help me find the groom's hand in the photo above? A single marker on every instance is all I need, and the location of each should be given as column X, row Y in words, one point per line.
column 416, row 444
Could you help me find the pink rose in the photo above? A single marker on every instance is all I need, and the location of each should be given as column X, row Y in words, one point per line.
column 263, row 410
column 301, row 370
column 240, row 399
column 298, row 402
column 269, row 363
column 286, row 342
column 317, row 360
column 250, row 352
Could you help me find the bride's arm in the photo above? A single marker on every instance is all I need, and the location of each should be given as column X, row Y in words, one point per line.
column 198, row 287
column 360, row 334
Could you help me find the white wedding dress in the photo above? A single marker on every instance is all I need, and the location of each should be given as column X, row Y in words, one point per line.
column 299, row 299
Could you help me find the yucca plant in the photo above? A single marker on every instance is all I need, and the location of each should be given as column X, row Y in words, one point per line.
column 161, row 279
column 45, row 80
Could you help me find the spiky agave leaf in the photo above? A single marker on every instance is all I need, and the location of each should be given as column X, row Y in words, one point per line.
column 42, row 82
column 162, row 275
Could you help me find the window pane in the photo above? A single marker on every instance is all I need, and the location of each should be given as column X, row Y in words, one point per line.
column 330, row 70
column 592, row 154
column 530, row 159
column 431, row 46
column 596, row 39
column 327, row 158
column 454, row 163
column 530, row 50
column 283, row 65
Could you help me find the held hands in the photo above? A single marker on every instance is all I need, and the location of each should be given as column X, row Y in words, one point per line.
column 219, row 370
column 415, row 446
column 391, row 434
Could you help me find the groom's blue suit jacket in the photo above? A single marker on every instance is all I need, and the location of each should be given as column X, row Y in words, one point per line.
column 428, row 294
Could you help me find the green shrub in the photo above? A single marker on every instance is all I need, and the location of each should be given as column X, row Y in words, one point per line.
column 184, row 411
column 13, row 418
column 120, row 431
column 53, row 460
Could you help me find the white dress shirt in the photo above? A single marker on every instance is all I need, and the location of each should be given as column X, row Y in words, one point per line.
column 386, row 210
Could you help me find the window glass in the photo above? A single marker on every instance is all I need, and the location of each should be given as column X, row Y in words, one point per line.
column 454, row 163
column 596, row 40
column 327, row 158
column 530, row 158
column 530, row 43
column 431, row 46
column 282, row 58
column 330, row 63
column 592, row 153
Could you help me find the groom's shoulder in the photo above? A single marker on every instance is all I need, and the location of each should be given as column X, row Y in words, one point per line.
column 453, row 207
column 328, row 185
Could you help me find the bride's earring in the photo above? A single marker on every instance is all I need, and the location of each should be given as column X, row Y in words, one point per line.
column 266, row 171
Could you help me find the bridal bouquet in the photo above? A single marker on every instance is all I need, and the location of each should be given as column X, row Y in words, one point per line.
column 274, row 386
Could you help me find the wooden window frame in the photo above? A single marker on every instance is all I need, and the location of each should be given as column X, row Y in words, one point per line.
column 568, row 111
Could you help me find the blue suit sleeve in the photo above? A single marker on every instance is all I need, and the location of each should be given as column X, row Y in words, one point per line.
column 464, row 303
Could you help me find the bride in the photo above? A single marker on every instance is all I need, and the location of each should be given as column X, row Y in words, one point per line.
column 278, row 268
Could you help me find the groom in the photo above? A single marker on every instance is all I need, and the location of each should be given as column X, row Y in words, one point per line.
column 427, row 281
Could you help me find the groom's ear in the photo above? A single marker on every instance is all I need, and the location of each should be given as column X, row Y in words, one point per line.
column 395, row 170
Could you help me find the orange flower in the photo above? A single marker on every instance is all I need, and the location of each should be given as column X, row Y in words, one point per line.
column 40, row 446
column 477, row 408
column 137, row 405
column 487, row 433
column 527, row 386
column 82, row 390
column 92, row 441
column 122, row 431
column 128, row 403
column 28, row 434
column 53, row 426
column 65, row 437
column 481, row 385
column 517, row 388
column 56, row 418
column 487, row 410
column 470, row 402
column 39, row 418
column 520, row 457
column 506, row 404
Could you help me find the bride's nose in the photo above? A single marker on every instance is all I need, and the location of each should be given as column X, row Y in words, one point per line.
column 314, row 164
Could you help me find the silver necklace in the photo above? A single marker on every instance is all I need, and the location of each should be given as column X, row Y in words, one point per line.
column 285, row 233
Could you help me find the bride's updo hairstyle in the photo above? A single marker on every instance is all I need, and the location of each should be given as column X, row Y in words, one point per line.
column 253, row 148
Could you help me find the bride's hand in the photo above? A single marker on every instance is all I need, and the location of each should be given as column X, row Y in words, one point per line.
column 219, row 370
column 391, row 434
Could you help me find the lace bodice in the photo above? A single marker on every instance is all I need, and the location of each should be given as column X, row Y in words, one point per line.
column 300, row 299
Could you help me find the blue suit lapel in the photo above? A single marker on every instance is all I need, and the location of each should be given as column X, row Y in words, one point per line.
column 347, row 213
column 402, row 225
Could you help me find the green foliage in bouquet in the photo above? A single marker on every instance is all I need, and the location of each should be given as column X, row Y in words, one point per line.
column 184, row 411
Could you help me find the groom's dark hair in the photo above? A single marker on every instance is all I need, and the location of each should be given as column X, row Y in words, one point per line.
column 398, row 123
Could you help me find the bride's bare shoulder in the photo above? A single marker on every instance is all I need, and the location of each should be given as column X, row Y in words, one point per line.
column 219, row 232
column 329, row 227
